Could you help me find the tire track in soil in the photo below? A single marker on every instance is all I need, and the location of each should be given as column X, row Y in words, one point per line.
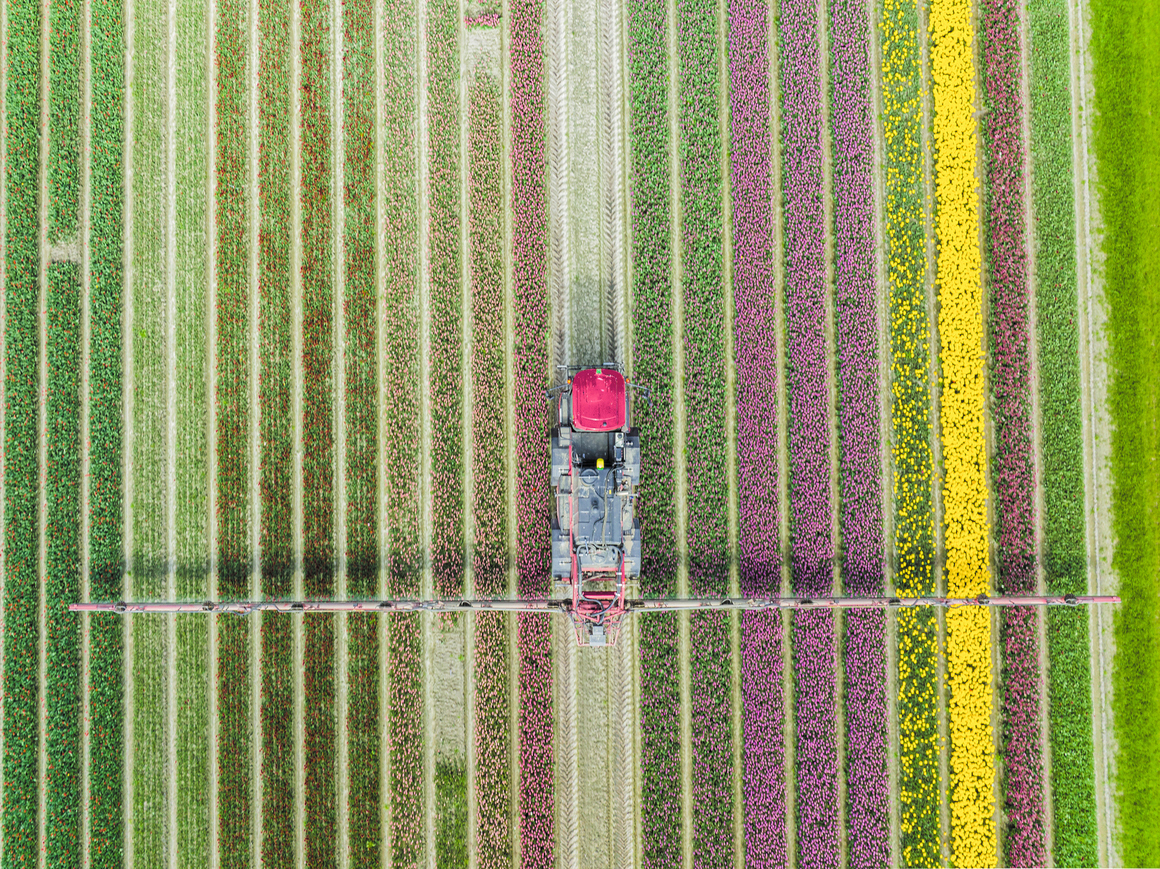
column 608, row 28
column 1093, row 373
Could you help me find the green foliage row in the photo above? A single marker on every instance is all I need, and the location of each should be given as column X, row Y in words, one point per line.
column 652, row 355
column 1061, row 430
column 21, row 579
column 1125, row 49
column 107, row 43
column 450, row 814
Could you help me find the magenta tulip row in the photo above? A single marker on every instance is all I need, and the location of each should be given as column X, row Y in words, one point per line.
column 530, row 315
column 755, row 345
column 808, row 431
column 1012, row 471
column 855, row 330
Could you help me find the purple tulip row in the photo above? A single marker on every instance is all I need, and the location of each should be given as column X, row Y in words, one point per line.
column 855, row 327
column 530, row 302
column 710, row 662
column 755, row 345
column 808, row 430
column 1012, row 469
column 652, row 359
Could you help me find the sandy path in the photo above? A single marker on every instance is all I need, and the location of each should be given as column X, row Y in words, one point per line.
column 1097, row 430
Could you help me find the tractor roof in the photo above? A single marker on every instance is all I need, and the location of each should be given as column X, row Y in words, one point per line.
column 598, row 400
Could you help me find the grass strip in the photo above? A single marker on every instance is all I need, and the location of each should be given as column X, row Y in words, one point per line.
column 192, row 500
column 62, row 782
column 148, row 460
column 1061, row 432
column 450, row 814
column 402, row 434
column 1125, row 47
column 106, row 562
column 652, row 355
column 863, row 647
column 527, row 107
column 233, row 377
column 318, row 553
column 755, row 335
column 276, row 359
column 489, row 550
column 446, row 303
column 364, row 805
column 1012, row 471
column 21, row 471
column 911, row 436
column 704, row 387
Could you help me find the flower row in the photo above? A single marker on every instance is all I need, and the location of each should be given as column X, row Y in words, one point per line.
column 918, row 773
column 1012, row 472
column 493, row 844
column 652, row 360
column 530, row 316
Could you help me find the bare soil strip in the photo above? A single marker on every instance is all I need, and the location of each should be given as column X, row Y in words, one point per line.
column 624, row 720
column 1097, row 485
column 615, row 203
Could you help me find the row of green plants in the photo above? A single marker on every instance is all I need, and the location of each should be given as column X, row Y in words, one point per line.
column 21, row 347
column 450, row 813
column 910, row 414
column 1061, row 432
column 232, row 394
column 703, row 289
column 62, row 783
column 106, row 35
column 445, row 364
column 652, row 355
column 317, row 272
column 489, row 443
column 1125, row 47
column 364, row 808
column 276, row 359
column 402, row 437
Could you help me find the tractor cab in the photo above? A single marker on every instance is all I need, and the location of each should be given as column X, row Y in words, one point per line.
column 595, row 455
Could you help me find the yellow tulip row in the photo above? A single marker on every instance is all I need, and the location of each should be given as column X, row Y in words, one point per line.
column 960, row 325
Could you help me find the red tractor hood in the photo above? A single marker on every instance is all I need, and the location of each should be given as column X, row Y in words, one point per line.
column 598, row 400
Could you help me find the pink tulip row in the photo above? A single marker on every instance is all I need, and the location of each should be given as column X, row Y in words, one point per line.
column 855, row 328
column 489, row 444
column 757, row 468
column 710, row 662
column 530, row 316
column 814, row 640
column 1012, row 475
column 446, row 321
column 652, row 359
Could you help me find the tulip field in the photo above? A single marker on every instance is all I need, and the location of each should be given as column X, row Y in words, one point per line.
column 283, row 285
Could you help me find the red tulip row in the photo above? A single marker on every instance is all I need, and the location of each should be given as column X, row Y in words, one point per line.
column 652, row 356
column 106, row 35
column 276, row 359
column 361, row 428
column 446, row 309
column 233, row 676
column 1012, row 472
column 530, row 315
column 401, row 458
column 489, row 561
column 62, row 782
column 317, row 272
